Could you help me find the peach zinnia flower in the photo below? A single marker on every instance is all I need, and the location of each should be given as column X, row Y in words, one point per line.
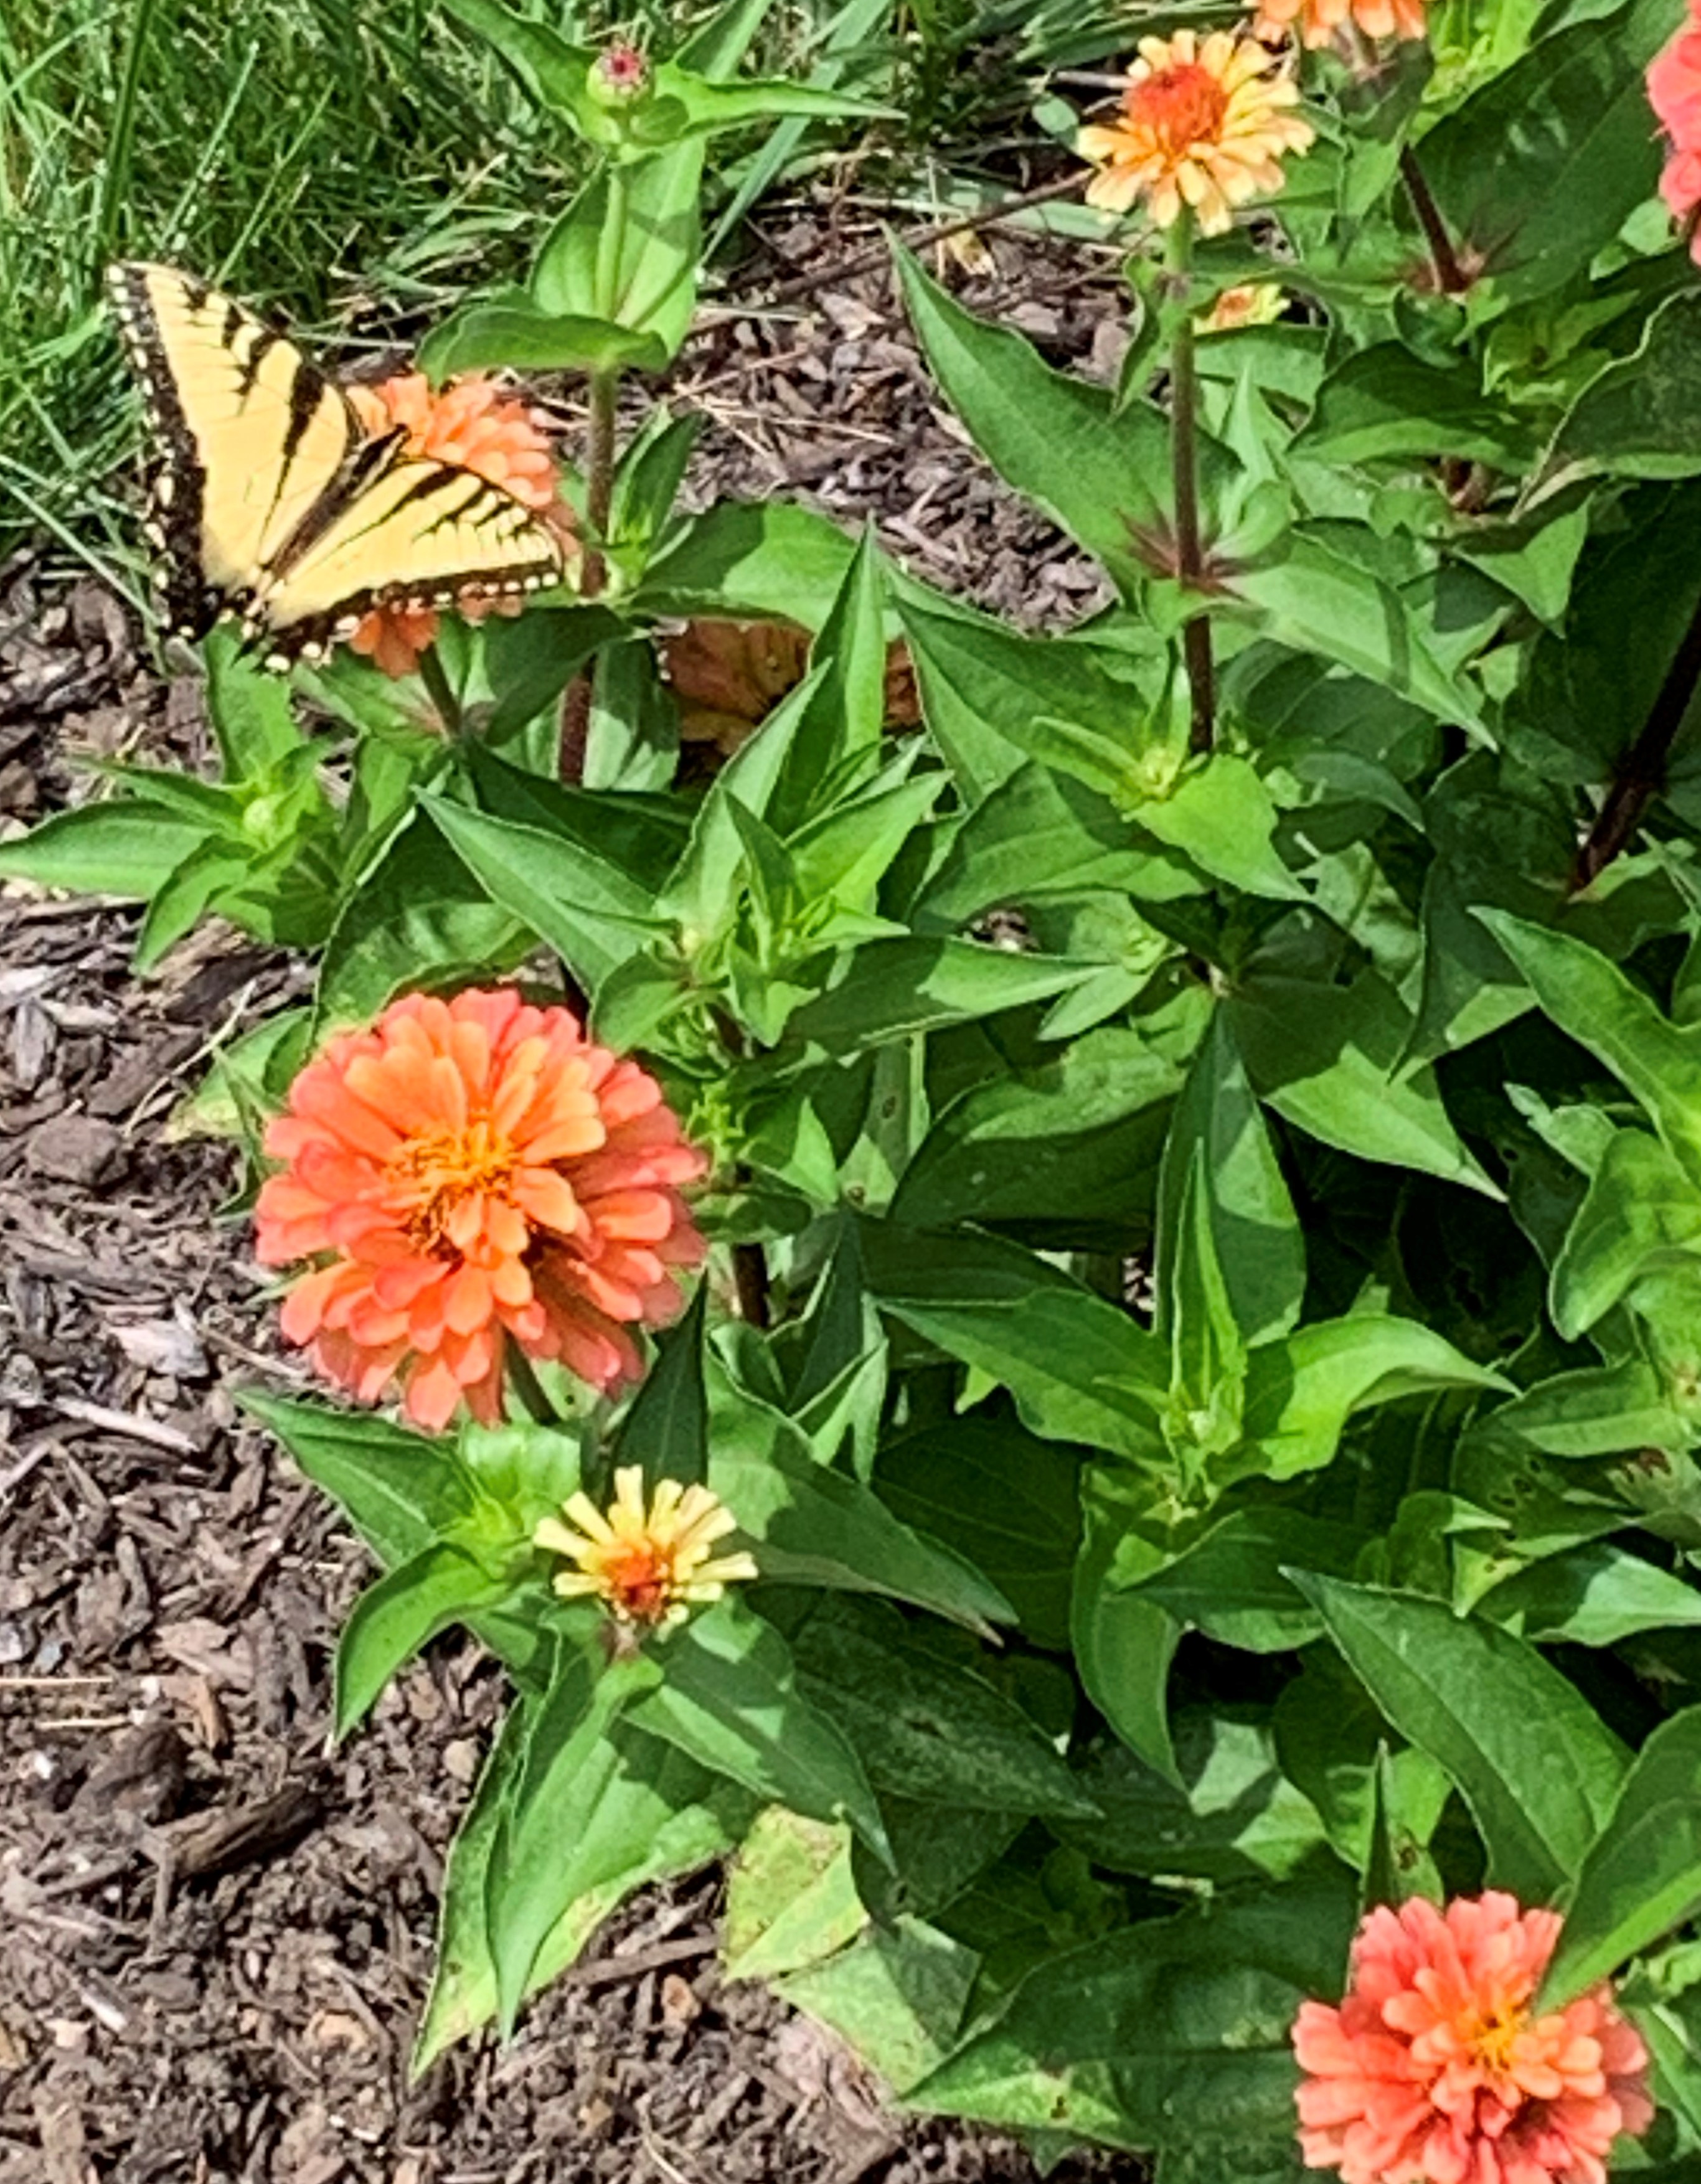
column 1321, row 21
column 473, row 423
column 647, row 1567
column 1674, row 91
column 1435, row 2070
column 470, row 1172
column 1205, row 123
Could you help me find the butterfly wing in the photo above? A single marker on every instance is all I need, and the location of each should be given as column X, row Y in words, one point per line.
column 401, row 530
column 255, row 437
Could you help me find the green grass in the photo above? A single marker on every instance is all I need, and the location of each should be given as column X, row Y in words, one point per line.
column 346, row 163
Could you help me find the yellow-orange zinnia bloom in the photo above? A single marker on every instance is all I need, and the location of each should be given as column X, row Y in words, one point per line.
column 1320, row 21
column 650, row 1566
column 474, row 423
column 1435, row 2070
column 1204, row 122
column 1252, row 303
column 471, row 1172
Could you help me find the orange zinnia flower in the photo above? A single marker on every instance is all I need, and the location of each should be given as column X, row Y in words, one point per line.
column 647, row 1567
column 1322, row 20
column 1205, row 123
column 470, row 1172
column 1674, row 91
column 1435, row 2070
column 473, row 423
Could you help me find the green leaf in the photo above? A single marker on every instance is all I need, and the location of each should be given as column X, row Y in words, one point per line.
column 666, row 1429
column 401, row 1491
column 1095, row 469
column 1174, row 2032
column 1231, row 1584
column 1327, row 1058
column 121, row 848
column 655, row 1814
column 1592, row 1596
column 791, row 1896
column 1257, row 1243
column 1005, row 1499
column 1123, row 1645
column 925, row 1727
column 1038, row 835
column 1642, row 416
column 1384, row 403
column 1302, row 1390
column 1641, row 1208
column 1221, row 815
column 897, row 1995
column 251, row 710
column 1600, row 1410
column 650, row 288
column 1229, row 1815
column 889, row 989
column 418, row 917
column 555, row 74
column 811, row 1525
column 846, row 711
column 1592, row 999
column 1536, row 1765
column 511, row 333
column 730, row 1700
column 984, row 685
column 712, row 107
column 1538, row 170
column 394, row 1618
column 1317, row 601
column 1073, row 1363
column 586, row 908
column 761, row 559
column 1642, row 1876
column 567, row 1764
column 1078, row 1137
column 638, row 834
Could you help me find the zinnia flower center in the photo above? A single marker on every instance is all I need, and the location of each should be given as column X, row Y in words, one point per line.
column 639, row 1578
column 440, row 1174
column 1491, row 2039
column 1181, row 105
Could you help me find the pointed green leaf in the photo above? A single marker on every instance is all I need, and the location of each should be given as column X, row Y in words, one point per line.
column 1536, row 1765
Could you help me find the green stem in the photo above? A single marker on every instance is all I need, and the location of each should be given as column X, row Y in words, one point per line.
column 599, row 458
column 121, row 142
column 1184, row 442
column 441, row 693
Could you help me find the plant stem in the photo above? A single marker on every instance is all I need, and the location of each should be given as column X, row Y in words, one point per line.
column 1184, row 442
column 1451, row 277
column 440, row 692
column 1641, row 773
column 599, row 453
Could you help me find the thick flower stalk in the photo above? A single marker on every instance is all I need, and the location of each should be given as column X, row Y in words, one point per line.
column 1436, row 2069
column 1674, row 91
column 651, row 1566
column 1205, row 123
column 1320, row 22
column 469, row 1174
column 474, row 423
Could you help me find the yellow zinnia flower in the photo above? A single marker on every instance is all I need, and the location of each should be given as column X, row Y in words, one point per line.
column 1205, row 123
column 647, row 1567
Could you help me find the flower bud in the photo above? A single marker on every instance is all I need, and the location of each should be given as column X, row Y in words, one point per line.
column 620, row 76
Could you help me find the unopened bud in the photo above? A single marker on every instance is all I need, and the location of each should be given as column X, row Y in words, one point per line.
column 619, row 75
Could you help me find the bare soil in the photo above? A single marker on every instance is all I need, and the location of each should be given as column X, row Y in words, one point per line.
column 214, row 1937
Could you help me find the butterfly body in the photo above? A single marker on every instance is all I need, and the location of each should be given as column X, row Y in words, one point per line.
column 274, row 505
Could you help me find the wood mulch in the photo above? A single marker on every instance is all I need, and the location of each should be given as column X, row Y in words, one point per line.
column 214, row 1937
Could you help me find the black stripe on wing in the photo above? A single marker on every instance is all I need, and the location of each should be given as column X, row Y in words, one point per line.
column 179, row 485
